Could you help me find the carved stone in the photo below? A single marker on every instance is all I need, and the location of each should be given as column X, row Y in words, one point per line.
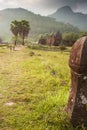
column 77, row 103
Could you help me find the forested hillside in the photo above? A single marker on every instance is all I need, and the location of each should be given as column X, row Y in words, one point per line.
column 67, row 15
column 39, row 24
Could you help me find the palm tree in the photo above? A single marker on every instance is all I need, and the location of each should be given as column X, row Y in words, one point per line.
column 24, row 29
column 15, row 29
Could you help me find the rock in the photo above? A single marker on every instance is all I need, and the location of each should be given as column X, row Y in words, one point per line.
column 9, row 103
column 77, row 103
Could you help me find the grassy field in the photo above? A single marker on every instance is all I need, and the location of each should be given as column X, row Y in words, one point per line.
column 34, row 89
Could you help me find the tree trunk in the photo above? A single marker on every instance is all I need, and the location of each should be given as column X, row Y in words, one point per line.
column 15, row 43
column 23, row 42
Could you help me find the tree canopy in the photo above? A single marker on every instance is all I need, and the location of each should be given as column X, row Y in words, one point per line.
column 20, row 28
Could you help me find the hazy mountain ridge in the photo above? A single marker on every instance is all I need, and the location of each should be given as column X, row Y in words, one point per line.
column 39, row 24
column 67, row 15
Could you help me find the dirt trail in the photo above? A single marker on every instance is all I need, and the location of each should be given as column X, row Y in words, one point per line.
column 17, row 48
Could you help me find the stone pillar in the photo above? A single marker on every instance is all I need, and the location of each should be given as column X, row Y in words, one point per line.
column 77, row 103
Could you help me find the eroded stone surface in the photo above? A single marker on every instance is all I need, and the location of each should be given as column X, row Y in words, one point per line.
column 77, row 103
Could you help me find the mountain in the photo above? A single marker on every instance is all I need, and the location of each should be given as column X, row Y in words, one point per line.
column 38, row 24
column 67, row 15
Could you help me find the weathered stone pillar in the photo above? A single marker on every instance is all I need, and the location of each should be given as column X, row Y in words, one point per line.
column 77, row 103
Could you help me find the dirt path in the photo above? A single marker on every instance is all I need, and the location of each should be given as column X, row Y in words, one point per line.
column 18, row 48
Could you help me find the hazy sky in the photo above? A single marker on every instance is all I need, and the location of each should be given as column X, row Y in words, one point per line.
column 44, row 7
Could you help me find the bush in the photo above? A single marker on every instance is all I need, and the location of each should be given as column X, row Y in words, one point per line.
column 62, row 47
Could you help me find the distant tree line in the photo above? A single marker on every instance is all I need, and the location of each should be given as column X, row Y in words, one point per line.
column 58, row 38
column 69, row 39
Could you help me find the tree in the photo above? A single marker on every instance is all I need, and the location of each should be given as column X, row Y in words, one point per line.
column 20, row 28
column 82, row 34
column 24, row 29
column 70, row 38
column 15, row 29
column 58, row 38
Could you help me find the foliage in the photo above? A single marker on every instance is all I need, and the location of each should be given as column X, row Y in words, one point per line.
column 81, row 34
column 24, row 29
column 20, row 28
column 62, row 47
column 70, row 38
column 15, row 29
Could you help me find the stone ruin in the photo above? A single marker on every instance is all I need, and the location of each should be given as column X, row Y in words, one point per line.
column 77, row 102
column 51, row 40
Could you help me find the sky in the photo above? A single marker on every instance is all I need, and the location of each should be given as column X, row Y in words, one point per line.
column 45, row 7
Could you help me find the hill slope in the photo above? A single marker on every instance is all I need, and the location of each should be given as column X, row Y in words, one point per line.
column 39, row 24
column 66, row 15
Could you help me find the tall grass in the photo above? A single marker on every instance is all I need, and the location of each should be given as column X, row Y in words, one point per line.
column 34, row 90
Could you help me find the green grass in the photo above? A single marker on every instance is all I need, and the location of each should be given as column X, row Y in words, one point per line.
column 34, row 89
